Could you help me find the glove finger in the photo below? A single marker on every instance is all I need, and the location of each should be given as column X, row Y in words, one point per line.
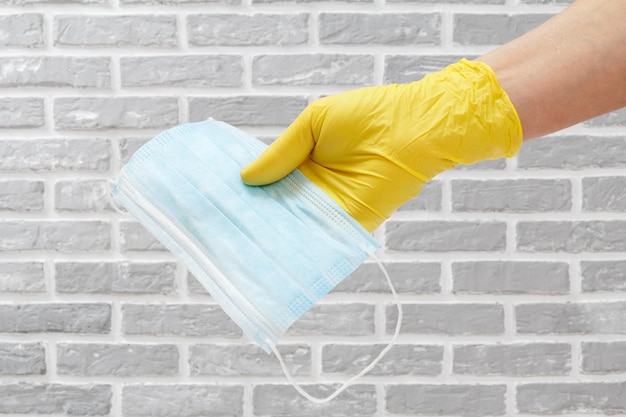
column 287, row 152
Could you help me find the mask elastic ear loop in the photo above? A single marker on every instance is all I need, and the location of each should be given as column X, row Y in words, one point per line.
column 368, row 367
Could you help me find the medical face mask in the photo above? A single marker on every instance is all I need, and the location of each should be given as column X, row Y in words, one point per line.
column 266, row 254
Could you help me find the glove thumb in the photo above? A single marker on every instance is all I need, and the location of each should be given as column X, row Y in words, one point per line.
column 287, row 153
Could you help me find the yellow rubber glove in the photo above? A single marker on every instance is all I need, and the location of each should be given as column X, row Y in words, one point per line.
column 372, row 149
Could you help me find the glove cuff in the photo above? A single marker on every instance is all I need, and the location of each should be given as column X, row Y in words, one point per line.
column 459, row 115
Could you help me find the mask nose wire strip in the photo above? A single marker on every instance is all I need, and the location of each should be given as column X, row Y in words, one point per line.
column 112, row 202
column 368, row 367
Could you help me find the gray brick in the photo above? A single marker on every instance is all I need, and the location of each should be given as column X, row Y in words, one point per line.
column 445, row 236
column 21, row 196
column 408, row 68
column 22, row 277
column 22, row 359
column 614, row 118
column 180, row 2
column 66, row 399
column 248, row 360
column 489, row 164
column 182, row 71
column 61, row 236
column 81, row 195
column 151, row 400
column 451, row 1
column 429, row 199
column 546, row 1
column 77, row 113
column 21, row 112
column 309, row 1
column 55, row 71
column 523, row 359
column 116, row 277
column 603, row 357
column 128, row 146
column 58, row 155
column 448, row 319
column 248, row 30
column 380, row 29
column 501, row 277
column 400, row 360
column 119, row 30
column 493, row 29
column 574, row 152
column 336, row 320
column 604, row 194
column 187, row 320
column 134, row 237
column 454, row 400
column 603, row 275
column 47, row 2
column 527, row 195
column 248, row 110
column 121, row 360
column 313, row 69
column 406, row 277
column 571, row 318
column 283, row 400
column 572, row 237
column 91, row 318
column 572, row 398
column 22, row 30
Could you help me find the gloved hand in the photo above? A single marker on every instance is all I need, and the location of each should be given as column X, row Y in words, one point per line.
column 372, row 149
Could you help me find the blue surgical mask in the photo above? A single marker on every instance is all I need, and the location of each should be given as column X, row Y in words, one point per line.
column 266, row 254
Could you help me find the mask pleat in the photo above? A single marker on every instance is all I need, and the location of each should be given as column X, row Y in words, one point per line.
column 281, row 247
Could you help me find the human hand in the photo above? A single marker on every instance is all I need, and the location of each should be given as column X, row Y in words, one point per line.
column 372, row 149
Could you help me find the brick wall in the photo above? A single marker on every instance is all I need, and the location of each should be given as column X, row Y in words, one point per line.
column 512, row 273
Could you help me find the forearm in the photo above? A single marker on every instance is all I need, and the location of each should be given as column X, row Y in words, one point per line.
column 570, row 69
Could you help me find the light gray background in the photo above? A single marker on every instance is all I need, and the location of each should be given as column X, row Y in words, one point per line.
column 512, row 273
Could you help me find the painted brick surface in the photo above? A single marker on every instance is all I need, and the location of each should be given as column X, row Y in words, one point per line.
column 42, row 398
column 496, row 277
column 247, row 110
column 249, row 360
column 22, row 277
column 400, row 360
column 78, row 113
column 532, row 359
column 182, row 400
column 55, row 72
column 55, row 155
column 23, row 30
column 157, row 31
column 27, row 112
column 448, row 319
column 116, row 277
column 248, row 30
column 464, row 400
column 380, row 29
column 316, row 69
column 182, row 71
column 21, row 195
column 511, row 195
column 91, row 359
column 22, row 359
column 510, row 272
column 76, row 318
column 274, row 400
column 603, row 275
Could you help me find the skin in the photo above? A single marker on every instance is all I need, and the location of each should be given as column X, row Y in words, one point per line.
column 568, row 70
